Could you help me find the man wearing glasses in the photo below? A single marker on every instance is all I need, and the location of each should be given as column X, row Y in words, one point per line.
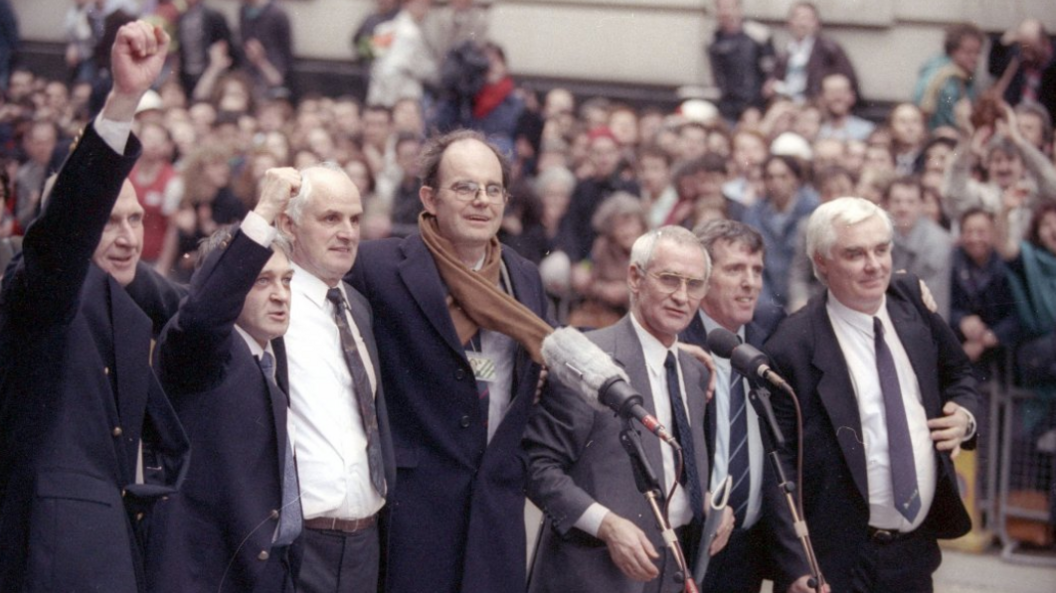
column 457, row 319
column 580, row 476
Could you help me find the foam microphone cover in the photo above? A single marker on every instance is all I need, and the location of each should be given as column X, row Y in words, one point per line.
column 578, row 363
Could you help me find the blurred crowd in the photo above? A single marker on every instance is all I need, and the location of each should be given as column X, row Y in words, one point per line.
column 964, row 165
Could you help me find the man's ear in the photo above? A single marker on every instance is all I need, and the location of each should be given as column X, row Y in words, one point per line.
column 635, row 276
column 285, row 226
column 428, row 197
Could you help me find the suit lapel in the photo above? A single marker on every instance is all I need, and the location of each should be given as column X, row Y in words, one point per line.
column 837, row 395
column 423, row 282
column 627, row 353
column 277, row 394
column 915, row 338
column 132, row 344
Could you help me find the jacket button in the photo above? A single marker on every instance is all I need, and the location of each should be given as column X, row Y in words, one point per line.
column 274, row 513
column 117, row 431
column 106, row 370
column 460, row 374
column 263, row 555
column 464, row 421
column 139, row 516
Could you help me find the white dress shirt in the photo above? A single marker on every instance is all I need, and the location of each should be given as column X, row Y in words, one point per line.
column 655, row 354
column 720, row 464
column 854, row 332
column 331, row 442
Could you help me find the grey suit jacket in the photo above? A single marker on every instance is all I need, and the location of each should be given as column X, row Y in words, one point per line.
column 575, row 459
column 925, row 252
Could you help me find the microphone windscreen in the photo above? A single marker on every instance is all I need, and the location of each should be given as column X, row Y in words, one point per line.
column 578, row 363
column 721, row 342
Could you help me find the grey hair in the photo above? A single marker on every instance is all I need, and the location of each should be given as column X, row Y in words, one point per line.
column 645, row 246
column 295, row 208
column 555, row 175
column 823, row 226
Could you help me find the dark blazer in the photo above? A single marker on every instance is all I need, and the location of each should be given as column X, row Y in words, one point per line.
column 216, row 534
column 827, row 57
column 77, row 395
column 576, row 459
column 751, row 554
column 454, row 518
column 804, row 351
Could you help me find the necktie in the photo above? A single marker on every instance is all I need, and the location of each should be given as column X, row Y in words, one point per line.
column 685, row 438
column 738, row 461
column 290, row 519
column 363, row 392
column 899, row 445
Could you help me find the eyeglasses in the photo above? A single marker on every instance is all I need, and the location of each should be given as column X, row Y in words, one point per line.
column 671, row 283
column 466, row 191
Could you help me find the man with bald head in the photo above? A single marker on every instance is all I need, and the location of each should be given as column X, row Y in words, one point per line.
column 458, row 330
column 88, row 440
column 1029, row 53
column 340, row 424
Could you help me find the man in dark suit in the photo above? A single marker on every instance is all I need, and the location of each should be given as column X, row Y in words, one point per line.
column 340, row 421
column 737, row 443
column 579, row 475
column 222, row 362
column 458, row 329
column 887, row 395
column 88, row 439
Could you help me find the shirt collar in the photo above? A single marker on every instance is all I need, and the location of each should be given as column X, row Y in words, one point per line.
column 311, row 287
column 254, row 346
column 856, row 319
column 710, row 324
column 653, row 351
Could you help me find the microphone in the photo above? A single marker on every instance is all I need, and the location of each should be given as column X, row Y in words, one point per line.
column 750, row 362
column 747, row 359
column 579, row 364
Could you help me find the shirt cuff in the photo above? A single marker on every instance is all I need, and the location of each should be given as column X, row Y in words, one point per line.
column 972, row 426
column 255, row 227
column 114, row 133
column 590, row 521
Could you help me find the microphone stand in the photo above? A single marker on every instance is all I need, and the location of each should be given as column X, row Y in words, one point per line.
column 760, row 397
column 649, row 485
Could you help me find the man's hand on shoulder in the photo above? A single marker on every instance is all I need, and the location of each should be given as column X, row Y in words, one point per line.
column 630, row 549
column 705, row 359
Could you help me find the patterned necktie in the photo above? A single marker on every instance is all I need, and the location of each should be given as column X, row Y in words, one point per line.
column 899, row 444
column 361, row 386
column 739, row 462
column 290, row 519
column 685, row 438
column 483, row 387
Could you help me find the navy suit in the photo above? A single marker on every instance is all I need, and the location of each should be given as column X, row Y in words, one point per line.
column 216, row 534
column 455, row 517
column 749, row 556
column 77, row 395
column 804, row 350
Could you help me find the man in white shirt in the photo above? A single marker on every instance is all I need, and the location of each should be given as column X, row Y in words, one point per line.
column 340, row 424
column 886, row 394
column 580, row 476
column 736, row 445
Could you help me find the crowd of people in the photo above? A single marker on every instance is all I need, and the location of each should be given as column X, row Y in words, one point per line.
column 355, row 366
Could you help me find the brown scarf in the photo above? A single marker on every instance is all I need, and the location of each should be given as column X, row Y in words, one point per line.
column 474, row 299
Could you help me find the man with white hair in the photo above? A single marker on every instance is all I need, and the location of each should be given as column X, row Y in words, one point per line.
column 887, row 396
column 340, row 422
column 580, row 477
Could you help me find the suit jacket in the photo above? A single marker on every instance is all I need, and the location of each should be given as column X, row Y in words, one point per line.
column 454, row 517
column 804, row 351
column 216, row 534
column 826, row 57
column 576, row 459
column 750, row 555
column 77, row 396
